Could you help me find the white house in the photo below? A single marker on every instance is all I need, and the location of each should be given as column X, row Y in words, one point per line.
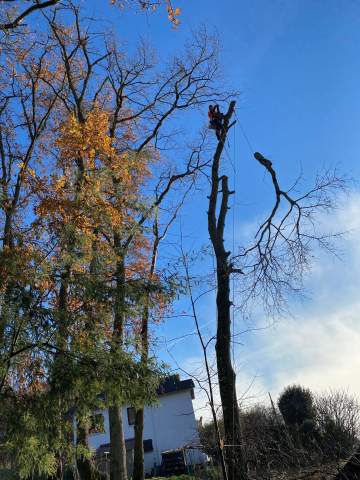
column 169, row 425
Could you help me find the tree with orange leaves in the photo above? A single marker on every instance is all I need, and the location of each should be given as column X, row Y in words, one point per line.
column 92, row 193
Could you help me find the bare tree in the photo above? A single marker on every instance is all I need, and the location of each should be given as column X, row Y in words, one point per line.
column 269, row 269
column 338, row 420
column 14, row 20
column 236, row 468
column 273, row 266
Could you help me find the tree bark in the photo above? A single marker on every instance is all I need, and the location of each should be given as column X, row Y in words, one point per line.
column 235, row 462
column 118, row 468
column 208, row 374
column 139, row 470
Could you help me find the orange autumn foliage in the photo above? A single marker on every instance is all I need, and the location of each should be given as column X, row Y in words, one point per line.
column 110, row 176
column 96, row 191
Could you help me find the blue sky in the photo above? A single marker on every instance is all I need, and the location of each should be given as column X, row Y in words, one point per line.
column 297, row 66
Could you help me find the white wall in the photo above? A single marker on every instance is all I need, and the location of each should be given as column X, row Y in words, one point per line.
column 171, row 424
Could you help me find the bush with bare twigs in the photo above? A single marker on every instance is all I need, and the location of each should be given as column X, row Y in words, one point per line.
column 326, row 431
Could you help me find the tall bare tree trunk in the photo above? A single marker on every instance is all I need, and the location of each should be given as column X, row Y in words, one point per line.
column 210, row 393
column 118, row 470
column 235, row 462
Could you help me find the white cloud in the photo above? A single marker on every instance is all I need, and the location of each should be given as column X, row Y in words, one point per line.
column 319, row 347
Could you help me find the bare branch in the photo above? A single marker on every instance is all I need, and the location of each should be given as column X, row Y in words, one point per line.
column 36, row 6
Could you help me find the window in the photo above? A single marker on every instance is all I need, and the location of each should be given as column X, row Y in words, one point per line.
column 131, row 415
column 148, row 445
column 97, row 423
column 130, row 445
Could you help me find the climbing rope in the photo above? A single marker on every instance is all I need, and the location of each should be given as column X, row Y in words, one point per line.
column 245, row 135
column 233, row 284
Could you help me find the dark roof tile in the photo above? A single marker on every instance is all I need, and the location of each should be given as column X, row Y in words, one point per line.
column 174, row 384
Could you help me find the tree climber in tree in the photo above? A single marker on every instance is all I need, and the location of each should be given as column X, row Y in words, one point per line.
column 216, row 120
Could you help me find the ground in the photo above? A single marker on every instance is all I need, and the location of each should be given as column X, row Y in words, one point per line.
column 327, row 472
column 315, row 473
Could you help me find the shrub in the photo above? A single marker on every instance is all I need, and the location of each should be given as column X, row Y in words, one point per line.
column 338, row 422
column 296, row 405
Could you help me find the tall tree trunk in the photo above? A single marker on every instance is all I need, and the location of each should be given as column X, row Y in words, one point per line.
column 86, row 467
column 6, row 286
column 118, row 469
column 235, row 462
column 236, row 467
column 139, row 470
column 208, row 373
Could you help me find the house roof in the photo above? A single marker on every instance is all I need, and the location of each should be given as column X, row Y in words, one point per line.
column 170, row 384
column 173, row 384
